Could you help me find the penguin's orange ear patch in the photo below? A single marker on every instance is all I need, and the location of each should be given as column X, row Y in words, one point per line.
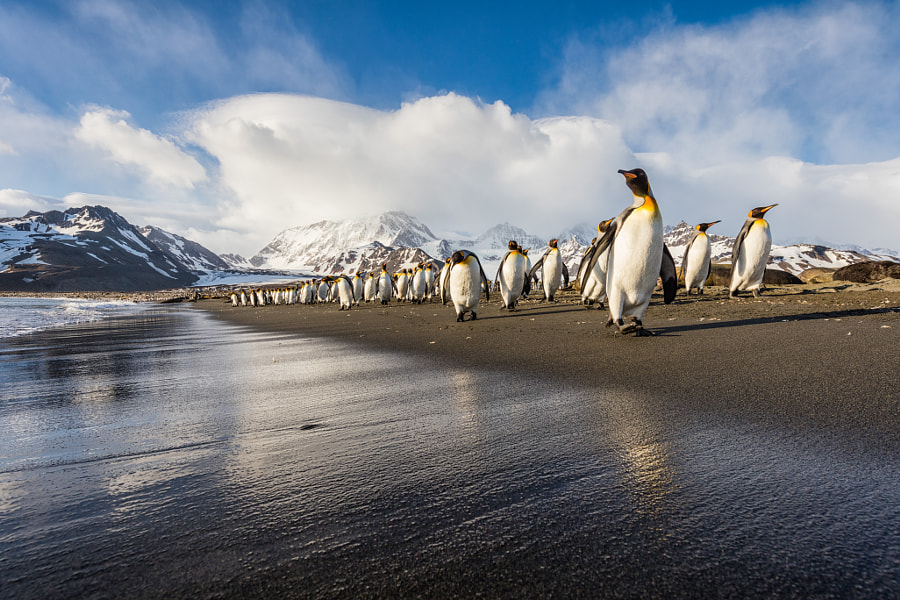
column 629, row 175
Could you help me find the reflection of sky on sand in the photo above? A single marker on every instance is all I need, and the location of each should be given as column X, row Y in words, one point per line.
column 639, row 440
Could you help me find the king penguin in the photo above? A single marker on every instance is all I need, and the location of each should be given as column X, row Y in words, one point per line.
column 751, row 252
column 462, row 284
column 344, row 288
column 369, row 289
column 636, row 257
column 385, row 286
column 696, row 262
column 512, row 276
column 554, row 270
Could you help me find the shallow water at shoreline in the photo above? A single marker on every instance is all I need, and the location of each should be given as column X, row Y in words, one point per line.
column 171, row 455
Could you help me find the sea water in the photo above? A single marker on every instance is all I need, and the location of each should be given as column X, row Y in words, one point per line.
column 166, row 454
column 24, row 315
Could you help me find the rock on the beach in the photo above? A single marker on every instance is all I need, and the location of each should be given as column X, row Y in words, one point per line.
column 817, row 275
column 868, row 272
column 720, row 274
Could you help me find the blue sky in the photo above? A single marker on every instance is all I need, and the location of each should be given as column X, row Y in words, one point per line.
column 229, row 121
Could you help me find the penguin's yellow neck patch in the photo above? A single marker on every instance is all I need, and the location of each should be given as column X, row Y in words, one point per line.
column 649, row 204
column 761, row 223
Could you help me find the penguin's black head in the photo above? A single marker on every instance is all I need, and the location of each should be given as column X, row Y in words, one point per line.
column 552, row 243
column 759, row 211
column 513, row 245
column 637, row 182
column 604, row 225
column 705, row 226
column 456, row 258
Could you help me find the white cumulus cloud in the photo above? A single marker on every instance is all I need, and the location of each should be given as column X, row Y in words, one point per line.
column 160, row 159
column 453, row 161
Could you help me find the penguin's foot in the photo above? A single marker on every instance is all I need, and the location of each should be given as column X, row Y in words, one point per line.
column 459, row 318
column 641, row 332
column 610, row 322
column 474, row 316
column 756, row 293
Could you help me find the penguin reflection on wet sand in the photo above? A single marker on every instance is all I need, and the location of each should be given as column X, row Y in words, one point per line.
column 751, row 253
column 462, row 283
column 554, row 272
column 636, row 258
column 695, row 264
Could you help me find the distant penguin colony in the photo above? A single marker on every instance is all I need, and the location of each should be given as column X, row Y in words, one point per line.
column 619, row 270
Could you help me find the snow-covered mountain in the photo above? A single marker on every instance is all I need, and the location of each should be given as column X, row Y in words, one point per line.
column 189, row 254
column 86, row 248
column 313, row 247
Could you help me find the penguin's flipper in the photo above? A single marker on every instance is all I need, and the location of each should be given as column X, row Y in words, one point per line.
column 584, row 259
column 536, row 266
column 445, row 285
column 565, row 274
column 499, row 270
column 484, row 282
column 739, row 245
column 668, row 275
column 601, row 246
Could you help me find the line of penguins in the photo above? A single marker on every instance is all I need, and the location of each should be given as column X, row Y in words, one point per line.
column 621, row 268
column 415, row 285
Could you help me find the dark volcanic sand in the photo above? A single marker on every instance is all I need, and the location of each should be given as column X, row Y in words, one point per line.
column 750, row 449
column 800, row 354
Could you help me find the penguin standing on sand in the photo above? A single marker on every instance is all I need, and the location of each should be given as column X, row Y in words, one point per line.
column 358, row 285
column 401, row 282
column 385, row 285
column 554, row 270
column 751, row 253
column 369, row 288
column 594, row 288
column 323, row 292
column 462, row 284
column 430, row 280
column 512, row 276
column 636, row 258
column 344, row 291
column 695, row 265
column 418, row 287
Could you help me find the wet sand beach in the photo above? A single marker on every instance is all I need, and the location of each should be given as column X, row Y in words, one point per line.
column 750, row 449
column 826, row 354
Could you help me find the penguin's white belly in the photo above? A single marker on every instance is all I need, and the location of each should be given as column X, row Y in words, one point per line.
column 402, row 286
column 370, row 289
column 419, row 286
column 512, row 279
column 634, row 261
column 384, row 288
column 697, row 260
column 552, row 273
column 465, row 286
column 751, row 264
